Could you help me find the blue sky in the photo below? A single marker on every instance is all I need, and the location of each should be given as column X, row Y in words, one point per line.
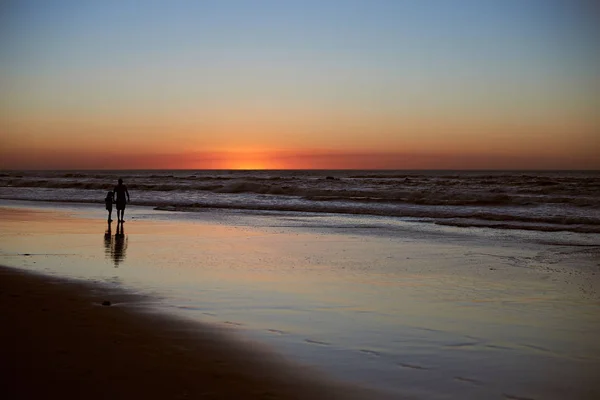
column 362, row 63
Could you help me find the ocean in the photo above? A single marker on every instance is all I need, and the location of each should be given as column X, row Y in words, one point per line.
column 550, row 201
column 426, row 284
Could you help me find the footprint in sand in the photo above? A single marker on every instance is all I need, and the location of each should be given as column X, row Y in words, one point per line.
column 190, row 308
column 412, row 366
column 463, row 344
column 496, row 346
column 429, row 330
column 538, row 348
column 468, row 380
column 276, row 331
column 233, row 323
column 371, row 352
column 316, row 342
column 513, row 397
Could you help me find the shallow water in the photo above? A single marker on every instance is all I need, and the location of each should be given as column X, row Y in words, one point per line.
column 547, row 201
column 405, row 307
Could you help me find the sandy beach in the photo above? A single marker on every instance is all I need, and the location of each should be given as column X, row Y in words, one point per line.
column 59, row 341
column 230, row 305
column 300, row 200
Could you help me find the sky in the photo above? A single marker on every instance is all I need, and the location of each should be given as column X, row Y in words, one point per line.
column 284, row 84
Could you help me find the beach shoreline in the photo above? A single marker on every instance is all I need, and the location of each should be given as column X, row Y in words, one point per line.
column 402, row 308
column 59, row 341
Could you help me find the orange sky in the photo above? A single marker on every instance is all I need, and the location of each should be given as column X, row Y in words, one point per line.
column 562, row 142
column 382, row 85
column 285, row 159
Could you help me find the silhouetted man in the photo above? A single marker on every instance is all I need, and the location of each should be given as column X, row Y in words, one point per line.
column 120, row 191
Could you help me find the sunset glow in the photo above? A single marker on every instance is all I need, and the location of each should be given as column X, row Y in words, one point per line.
column 299, row 85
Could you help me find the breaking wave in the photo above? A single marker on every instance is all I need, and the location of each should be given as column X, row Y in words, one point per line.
column 545, row 201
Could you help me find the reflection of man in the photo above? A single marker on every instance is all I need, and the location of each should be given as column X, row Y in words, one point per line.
column 120, row 191
column 119, row 246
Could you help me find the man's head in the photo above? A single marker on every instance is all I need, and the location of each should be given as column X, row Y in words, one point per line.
column 120, row 181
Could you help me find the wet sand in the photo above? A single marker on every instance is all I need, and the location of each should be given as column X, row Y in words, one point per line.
column 58, row 341
column 279, row 307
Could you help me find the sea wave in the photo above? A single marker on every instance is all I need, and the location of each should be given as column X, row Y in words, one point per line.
column 336, row 190
column 505, row 200
column 464, row 219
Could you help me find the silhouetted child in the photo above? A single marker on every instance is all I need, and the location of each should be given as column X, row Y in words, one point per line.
column 108, row 202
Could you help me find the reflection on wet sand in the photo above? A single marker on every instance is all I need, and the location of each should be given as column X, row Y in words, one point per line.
column 115, row 246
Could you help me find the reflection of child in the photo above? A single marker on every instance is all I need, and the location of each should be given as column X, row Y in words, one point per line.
column 108, row 202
